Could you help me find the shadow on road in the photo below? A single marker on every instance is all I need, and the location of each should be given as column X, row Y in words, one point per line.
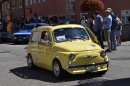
column 105, row 82
column 10, row 43
column 47, row 76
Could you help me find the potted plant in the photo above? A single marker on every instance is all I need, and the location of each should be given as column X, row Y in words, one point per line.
column 91, row 5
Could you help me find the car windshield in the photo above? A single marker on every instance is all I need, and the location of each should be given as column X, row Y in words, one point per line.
column 66, row 34
column 28, row 27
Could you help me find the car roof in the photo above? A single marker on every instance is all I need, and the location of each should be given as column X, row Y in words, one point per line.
column 54, row 27
column 36, row 23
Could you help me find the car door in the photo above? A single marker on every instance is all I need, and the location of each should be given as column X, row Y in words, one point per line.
column 45, row 53
column 33, row 46
column 92, row 36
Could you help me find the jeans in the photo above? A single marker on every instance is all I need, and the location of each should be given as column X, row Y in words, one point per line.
column 99, row 37
column 113, row 39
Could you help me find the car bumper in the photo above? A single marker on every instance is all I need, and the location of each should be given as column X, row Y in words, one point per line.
column 20, row 40
column 81, row 69
column 86, row 65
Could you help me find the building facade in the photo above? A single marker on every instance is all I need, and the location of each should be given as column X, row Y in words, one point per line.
column 17, row 7
column 71, row 8
column 49, row 8
column 13, row 9
column 121, row 7
column 5, row 9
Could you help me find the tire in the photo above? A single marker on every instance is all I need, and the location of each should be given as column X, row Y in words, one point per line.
column 30, row 62
column 58, row 71
column 16, row 42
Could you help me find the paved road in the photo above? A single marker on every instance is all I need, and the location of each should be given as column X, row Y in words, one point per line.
column 14, row 71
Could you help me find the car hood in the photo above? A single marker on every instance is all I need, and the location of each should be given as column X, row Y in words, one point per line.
column 76, row 46
column 22, row 32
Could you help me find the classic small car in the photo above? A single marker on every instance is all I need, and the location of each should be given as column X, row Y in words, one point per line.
column 24, row 34
column 66, row 48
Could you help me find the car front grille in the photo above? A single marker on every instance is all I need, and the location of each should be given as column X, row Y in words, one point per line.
column 20, row 36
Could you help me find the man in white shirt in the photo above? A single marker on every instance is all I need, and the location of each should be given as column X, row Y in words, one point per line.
column 107, row 29
column 83, row 21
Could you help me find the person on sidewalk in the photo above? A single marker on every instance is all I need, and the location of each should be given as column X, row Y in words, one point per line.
column 9, row 29
column 83, row 21
column 107, row 29
column 113, row 30
column 118, row 30
column 98, row 27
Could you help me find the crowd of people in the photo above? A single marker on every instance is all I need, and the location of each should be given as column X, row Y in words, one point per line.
column 110, row 27
column 10, row 26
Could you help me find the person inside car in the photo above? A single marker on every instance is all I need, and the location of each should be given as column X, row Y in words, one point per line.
column 45, row 39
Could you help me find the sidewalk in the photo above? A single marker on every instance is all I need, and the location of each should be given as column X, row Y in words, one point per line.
column 125, row 43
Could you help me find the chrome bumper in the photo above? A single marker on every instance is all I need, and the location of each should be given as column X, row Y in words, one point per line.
column 86, row 65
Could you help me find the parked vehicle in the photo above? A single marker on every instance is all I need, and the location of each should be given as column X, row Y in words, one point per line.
column 3, row 36
column 24, row 34
column 66, row 48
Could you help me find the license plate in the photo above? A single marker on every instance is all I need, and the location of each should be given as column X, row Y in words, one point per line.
column 19, row 39
column 90, row 69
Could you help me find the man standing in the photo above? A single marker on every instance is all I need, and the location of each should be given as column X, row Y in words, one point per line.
column 107, row 29
column 9, row 29
column 98, row 27
column 113, row 30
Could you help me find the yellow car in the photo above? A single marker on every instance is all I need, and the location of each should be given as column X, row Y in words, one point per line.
column 66, row 48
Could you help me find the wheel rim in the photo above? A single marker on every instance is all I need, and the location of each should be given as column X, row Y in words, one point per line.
column 56, row 69
column 29, row 62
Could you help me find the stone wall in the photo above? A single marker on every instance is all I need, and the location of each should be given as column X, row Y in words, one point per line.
column 69, row 10
column 125, row 33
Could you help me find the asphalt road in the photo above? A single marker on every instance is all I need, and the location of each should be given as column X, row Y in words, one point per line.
column 14, row 71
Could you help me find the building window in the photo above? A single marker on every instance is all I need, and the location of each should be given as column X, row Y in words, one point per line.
column 46, row 0
column 3, row 7
column 124, row 16
column 36, row 1
column 13, row 4
column 20, row 3
column 28, row 2
column 6, row 5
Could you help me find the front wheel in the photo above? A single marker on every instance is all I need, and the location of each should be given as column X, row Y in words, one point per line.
column 30, row 62
column 58, row 71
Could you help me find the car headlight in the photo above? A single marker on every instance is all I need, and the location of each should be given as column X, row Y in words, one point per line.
column 103, row 53
column 71, row 56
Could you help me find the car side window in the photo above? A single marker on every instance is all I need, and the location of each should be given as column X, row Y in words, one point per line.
column 46, row 37
column 35, row 36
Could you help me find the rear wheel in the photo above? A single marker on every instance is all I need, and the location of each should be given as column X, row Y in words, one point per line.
column 58, row 71
column 30, row 62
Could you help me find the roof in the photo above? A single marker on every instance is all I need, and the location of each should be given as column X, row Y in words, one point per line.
column 36, row 23
column 53, row 27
